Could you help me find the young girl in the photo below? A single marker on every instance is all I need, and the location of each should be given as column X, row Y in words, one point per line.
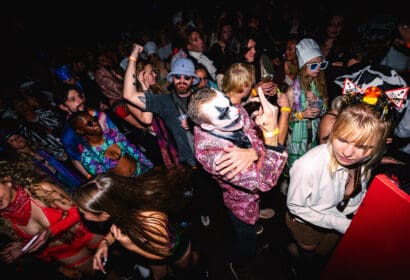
column 329, row 182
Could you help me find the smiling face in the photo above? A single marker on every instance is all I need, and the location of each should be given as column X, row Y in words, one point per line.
column 87, row 125
column 74, row 103
column 149, row 75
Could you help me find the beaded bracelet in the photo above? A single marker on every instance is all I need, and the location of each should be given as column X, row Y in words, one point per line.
column 132, row 58
column 270, row 134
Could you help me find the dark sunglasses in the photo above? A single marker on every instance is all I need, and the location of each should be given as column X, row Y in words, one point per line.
column 316, row 65
column 178, row 77
column 91, row 122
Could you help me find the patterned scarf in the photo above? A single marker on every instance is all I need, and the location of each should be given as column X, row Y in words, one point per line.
column 299, row 142
column 19, row 210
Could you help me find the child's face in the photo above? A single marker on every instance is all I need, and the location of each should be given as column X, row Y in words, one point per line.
column 348, row 152
column 222, row 114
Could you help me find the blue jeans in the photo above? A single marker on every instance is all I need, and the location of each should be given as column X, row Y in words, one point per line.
column 244, row 243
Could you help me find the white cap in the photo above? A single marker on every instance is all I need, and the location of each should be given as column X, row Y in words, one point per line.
column 306, row 50
column 150, row 48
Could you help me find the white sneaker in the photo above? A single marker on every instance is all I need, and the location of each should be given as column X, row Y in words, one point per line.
column 145, row 272
column 266, row 213
column 206, row 221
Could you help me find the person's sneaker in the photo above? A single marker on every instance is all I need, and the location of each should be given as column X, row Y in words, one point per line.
column 206, row 221
column 240, row 272
column 259, row 229
column 143, row 271
column 266, row 213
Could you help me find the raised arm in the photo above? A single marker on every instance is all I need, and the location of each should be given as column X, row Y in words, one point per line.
column 130, row 91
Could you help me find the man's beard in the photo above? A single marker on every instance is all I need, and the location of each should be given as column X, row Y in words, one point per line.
column 78, row 109
column 182, row 91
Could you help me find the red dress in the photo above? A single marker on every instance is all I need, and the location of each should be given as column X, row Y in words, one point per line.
column 65, row 226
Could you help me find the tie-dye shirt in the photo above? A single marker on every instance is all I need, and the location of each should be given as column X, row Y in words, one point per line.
column 95, row 162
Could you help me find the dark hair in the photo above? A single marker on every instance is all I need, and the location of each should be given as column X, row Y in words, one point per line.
column 125, row 198
column 75, row 116
column 62, row 95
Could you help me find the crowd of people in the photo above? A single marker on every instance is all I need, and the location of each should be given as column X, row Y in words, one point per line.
column 113, row 151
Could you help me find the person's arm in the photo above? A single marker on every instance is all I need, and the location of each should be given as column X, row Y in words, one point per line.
column 130, row 92
column 312, row 192
column 260, row 175
column 308, row 113
column 283, row 123
column 144, row 117
column 234, row 160
column 77, row 164
column 59, row 200
column 237, row 159
column 325, row 127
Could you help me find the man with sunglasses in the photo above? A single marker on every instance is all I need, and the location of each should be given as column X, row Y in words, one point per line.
column 72, row 100
column 106, row 149
column 172, row 108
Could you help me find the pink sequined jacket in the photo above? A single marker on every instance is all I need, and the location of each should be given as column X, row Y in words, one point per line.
column 241, row 194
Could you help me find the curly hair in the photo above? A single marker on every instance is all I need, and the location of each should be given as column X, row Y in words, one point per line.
column 22, row 173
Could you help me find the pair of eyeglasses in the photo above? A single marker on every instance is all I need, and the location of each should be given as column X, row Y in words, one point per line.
column 314, row 66
column 178, row 77
column 203, row 79
column 90, row 123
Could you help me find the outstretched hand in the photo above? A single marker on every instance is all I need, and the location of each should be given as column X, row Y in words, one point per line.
column 267, row 115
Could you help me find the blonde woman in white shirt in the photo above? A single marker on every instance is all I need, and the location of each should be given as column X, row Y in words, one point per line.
column 329, row 182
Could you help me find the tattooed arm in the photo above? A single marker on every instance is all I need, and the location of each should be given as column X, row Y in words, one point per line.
column 54, row 197
column 130, row 92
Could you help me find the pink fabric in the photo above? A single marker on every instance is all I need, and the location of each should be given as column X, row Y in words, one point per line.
column 166, row 143
column 241, row 194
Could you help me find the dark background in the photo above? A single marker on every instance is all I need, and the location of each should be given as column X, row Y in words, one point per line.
column 29, row 31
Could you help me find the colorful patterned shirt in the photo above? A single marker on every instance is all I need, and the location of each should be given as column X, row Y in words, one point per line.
column 241, row 193
column 94, row 160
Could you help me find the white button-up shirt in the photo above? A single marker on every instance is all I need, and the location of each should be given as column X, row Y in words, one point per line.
column 314, row 193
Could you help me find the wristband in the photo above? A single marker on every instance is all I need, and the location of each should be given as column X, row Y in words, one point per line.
column 285, row 109
column 132, row 58
column 271, row 133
